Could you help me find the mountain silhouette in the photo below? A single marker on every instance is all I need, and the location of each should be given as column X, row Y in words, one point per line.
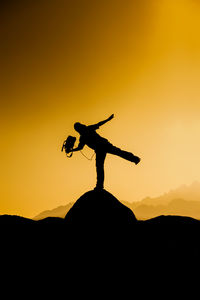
column 183, row 201
column 179, row 207
column 98, row 215
column 187, row 192
column 59, row 211
column 15, row 220
column 102, row 236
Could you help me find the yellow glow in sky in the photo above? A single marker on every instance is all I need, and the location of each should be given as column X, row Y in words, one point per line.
column 66, row 61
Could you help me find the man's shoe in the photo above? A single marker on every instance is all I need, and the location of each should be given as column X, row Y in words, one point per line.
column 136, row 160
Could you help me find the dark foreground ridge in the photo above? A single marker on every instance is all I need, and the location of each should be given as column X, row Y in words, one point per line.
column 99, row 232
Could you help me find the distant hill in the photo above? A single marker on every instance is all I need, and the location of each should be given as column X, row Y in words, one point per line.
column 59, row 211
column 183, row 201
column 178, row 207
column 186, row 192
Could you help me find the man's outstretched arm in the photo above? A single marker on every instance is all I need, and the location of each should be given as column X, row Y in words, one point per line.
column 80, row 147
column 96, row 126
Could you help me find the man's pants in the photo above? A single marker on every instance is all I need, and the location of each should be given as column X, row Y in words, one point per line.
column 100, row 158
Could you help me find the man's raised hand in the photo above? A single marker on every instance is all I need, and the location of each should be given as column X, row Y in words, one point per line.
column 111, row 117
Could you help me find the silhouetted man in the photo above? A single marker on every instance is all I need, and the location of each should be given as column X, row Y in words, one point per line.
column 101, row 146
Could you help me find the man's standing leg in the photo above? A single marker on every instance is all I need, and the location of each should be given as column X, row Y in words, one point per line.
column 100, row 158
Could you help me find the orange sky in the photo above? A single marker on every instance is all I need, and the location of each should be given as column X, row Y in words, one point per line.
column 66, row 61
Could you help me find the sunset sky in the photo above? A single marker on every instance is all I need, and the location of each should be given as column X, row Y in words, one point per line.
column 66, row 61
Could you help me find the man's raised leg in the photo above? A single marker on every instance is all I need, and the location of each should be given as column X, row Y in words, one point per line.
column 124, row 154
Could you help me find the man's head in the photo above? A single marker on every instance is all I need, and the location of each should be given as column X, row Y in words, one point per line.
column 80, row 128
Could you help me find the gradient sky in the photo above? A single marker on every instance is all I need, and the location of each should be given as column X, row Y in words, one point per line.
column 67, row 61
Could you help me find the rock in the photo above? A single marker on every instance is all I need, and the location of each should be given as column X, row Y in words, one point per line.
column 100, row 210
